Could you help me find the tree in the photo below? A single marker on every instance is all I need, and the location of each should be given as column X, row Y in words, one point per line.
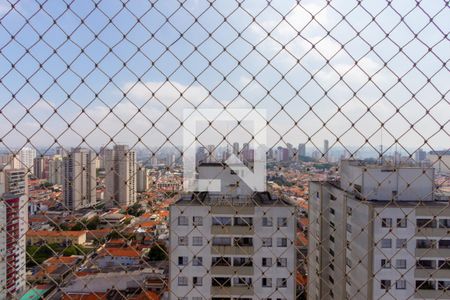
column 157, row 252
column 135, row 210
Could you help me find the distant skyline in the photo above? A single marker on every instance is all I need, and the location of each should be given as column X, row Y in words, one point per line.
column 311, row 87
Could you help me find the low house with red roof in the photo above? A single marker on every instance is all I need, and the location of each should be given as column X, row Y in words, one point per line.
column 116, row 257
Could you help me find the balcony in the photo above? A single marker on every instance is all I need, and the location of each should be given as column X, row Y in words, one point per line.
column 232, row 230
column 432, row 294
column 230, row 270
column 232, row 250
column 232, row 291
column 433, row 232
column 427, row 273
column 233, row 210
column 432, row 252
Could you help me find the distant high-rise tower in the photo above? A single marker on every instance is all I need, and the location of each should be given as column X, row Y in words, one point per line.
column 79, row 179
column 236, row 148
column 120, row 179
column 40, row 167
column 141, row 179
column 420, row 155
column 55, row 169
column 326, row 149
column 26, row 158
column 14, row 224
column 301, row 150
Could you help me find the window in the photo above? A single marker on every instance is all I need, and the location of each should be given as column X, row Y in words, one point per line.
column 266, row 262
column 183, row 221
column 385, row 284
column 282, row 222
column 402, row 223
column 425, row 264
column 444, row 264
column 426, row 223
column 349, row 211
column 182, row 241
column 444, row 223
column 332, row 238
column 400, row 243
column 222, row 221
column 400, row 263
column 242, row 261
column 266, row 282
column 386, row 243
column 400, row 284
column 197, row 261
column 221, row 241
column 267, row 222
column 243, row 221
column 197, row 221
column 386, row 222
column 444, row 244
column 197, row 281
column 332, row 211
column 182, row 260
column 267, row 242
column 197, row 241
column 281, row 242
column 282, row 262
column 385, row 263
column 425, row 244
column 281, row 282
column 182, row 281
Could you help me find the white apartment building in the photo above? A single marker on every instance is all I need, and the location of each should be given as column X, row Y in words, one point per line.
column 231, row 245
column 120, row 178
column 142, row 182
column 79, row 179
column 378, row 233
column 26, row 158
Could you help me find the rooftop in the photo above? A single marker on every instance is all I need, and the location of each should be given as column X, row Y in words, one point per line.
column 256, row 199
column 46, row 233
column 120, row 252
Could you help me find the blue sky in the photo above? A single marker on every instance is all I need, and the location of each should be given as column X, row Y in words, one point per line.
column 274, row 57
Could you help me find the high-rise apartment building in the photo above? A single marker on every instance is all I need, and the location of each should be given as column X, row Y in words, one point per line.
column 79, row 179
column 301, row 150
column 13, row 228
column 378, row 233
column 236, row 148
column 120, row 178
column 233, row 244
column 55, row 169
column 26, row 158
column 11, row 160
column 420, row 155
column 40, row 167
column 326, row 149
column 141, row 179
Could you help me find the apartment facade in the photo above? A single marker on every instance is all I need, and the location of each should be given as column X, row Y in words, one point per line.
column 385, row 243
column 231, row 245
column 79, row 179
column 26, row 158
column 120, row 178
column 13, row 227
